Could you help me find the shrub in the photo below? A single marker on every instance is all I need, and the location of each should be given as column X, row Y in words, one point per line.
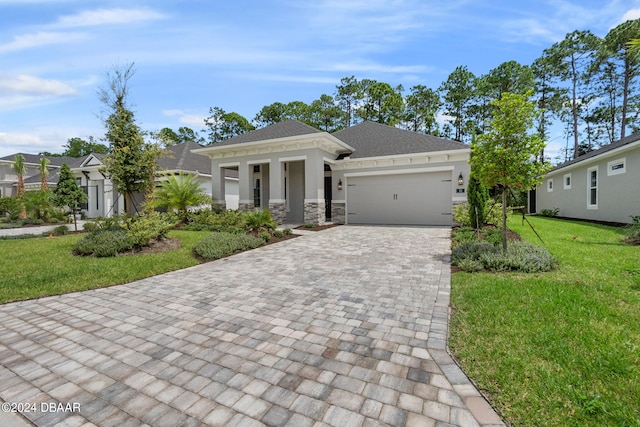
column 39, row 205
column 260, row 220
column 550, row 212
column 278, row 233
column 219, row 245
column 287, row 231
column 520, row 256
column 264, row 235
column 492, row 214
column 308, row 225
column 470, row 265
column 104, row 243
column 90, row 226
column 61, row 230
column 10, row 206
column 144, row 228
column 632, row 232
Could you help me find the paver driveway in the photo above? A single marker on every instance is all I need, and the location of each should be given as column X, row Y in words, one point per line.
column 345, row 327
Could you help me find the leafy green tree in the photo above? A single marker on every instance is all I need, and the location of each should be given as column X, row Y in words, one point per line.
column 457, row 95
column 44, row 172
column 223, row 125
column 39, row 204
column 626, row 62
column 180, row 192
column 504, row 156
column 573, row 58
column 167, row 137
column 270, row 114
column 131, row 163
column 325, row 114
column 381, row 103
column 78, row 147
column 477, row 196
column 20, row 168
column 186, row 134
column 348, row 93
column 67, row 194
column 421, row 107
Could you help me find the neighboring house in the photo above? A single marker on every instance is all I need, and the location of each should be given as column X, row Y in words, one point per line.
column 365, row 174
column 103, row 197
column 602, row 185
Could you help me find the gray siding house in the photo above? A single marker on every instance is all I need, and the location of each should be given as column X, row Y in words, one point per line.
column 365, row 174
column 602, row 185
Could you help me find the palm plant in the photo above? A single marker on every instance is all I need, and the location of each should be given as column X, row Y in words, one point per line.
column 42, row 169
column 20, row 168
column 179, row 192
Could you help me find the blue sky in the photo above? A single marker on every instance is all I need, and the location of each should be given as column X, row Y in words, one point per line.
column 241, row 55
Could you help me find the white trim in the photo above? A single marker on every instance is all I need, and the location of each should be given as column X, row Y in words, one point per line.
column 292, row 159
column 313, row 200
column 277, row 201
column 229, row 165
column 258, row 162
column 458, row 199
column 245, row 201
column 589, row 188
column 338, row 201
column 400, row 171
column 597, row 158
column 461, row 155
column 617, row 162
column 564, row 181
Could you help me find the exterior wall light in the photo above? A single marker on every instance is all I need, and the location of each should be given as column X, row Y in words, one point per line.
column 339, row 184
column 460, row 179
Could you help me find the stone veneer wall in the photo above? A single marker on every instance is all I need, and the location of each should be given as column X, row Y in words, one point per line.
column 219, row 206
column 278, row 212
column 245, row 207
column 338, row 213
column 314, row 212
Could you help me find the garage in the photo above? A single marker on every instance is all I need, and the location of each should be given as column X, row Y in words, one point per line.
column 396, row 198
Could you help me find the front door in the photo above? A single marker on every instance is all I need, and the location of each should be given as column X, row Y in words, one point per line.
column 327, row 198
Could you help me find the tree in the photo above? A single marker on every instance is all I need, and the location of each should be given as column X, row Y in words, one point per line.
column 477, row 196
column 325, row 114
column 457, row 95
column 131, row 162
column 270, row 114
column 180, row 192
column 349, row 92
column 505, row 156
column 186, row 134
column 573, row 58
column 67, row 194
column 43, row 171
column 78, row 147
column 167, row 137
column 223, row 125
column 616, row 44
column 381, row 103
column 20, row 168
column 421, row 107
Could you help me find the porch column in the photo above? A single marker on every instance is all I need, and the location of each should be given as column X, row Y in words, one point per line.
column 217, row 187
column 277, row 203
column 245, row 184
column 314, row 203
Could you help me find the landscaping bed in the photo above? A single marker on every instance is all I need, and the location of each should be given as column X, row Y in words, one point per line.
column 560, row 347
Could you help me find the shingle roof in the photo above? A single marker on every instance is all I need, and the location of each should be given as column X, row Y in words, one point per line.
column 609, row 147
column 282, row 129
column 372, row 139
column 53, row 160
column 180, row 157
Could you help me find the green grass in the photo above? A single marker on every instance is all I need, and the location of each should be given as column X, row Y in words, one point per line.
column 32, row 268
column 560, row 348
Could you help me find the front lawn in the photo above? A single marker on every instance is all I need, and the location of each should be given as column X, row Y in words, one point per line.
column 560, row 348
column 32, row 268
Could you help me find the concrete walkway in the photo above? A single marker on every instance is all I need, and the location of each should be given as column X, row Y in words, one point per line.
column 344, row 327
column 37, row 229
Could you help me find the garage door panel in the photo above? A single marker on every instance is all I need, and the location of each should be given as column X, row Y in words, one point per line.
column 403, row 199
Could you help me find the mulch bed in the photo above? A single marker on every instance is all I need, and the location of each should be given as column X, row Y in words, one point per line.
column 317, row 227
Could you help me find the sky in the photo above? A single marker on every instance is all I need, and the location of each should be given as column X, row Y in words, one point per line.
column 241, row 55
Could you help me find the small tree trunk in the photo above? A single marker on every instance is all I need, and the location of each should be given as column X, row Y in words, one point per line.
column 504, row 219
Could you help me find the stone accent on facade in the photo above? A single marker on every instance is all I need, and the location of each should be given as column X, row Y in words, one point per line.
column 314, row 212
column 338, row 215
column 219, row 206
column 245, row 207
column 278, row 212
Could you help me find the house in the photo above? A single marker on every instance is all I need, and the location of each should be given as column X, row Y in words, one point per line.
column 103, row 198
column 365, row 174
column 602, row 185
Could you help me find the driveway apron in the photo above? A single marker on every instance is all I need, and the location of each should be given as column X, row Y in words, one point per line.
column 343, row 327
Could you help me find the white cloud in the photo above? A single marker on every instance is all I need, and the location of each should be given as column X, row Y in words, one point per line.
column 33, row 86
column 11, row 143
column 185, row 118
column 630, row 15
column 90, row 18
column 27, row 41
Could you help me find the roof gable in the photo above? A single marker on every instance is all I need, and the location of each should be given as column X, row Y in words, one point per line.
column 600, row 151
column 180, row 158
column 372, row 139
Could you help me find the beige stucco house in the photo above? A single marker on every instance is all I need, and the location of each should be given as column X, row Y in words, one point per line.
column 365, row 174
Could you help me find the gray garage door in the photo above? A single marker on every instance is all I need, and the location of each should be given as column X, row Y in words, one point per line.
column 403, row 199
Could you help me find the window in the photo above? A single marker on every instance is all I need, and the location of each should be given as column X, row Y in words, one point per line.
column 550, row 185
column 567, row 181
column 617, row 167
column 592, row 188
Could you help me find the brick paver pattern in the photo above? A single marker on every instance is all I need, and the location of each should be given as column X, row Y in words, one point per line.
column 344, row 327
